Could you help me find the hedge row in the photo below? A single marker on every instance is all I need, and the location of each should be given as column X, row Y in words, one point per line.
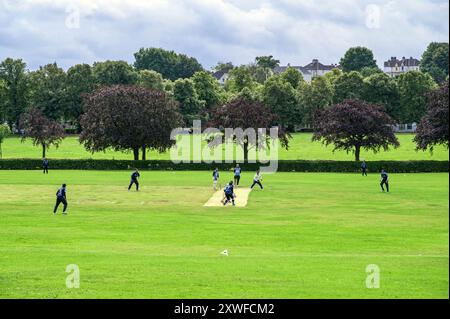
column 283, row 166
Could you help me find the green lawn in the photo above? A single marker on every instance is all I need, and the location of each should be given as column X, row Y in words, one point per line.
column 301, row 147
column 304, row 236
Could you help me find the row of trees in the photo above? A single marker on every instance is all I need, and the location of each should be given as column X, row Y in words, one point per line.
column 49, row 96
column 59, row 94
column 124, row 118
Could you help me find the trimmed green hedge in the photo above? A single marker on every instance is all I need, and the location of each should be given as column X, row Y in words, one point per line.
column 283, row 166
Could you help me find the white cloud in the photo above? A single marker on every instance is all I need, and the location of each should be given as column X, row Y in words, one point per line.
column 294, row 31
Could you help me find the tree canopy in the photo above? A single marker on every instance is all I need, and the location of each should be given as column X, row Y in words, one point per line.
column 433, row 127
column 354, row 125
column 283, row 100
column 171, row 65
column 435, row 61
column 4, row 132
column 48, row 90
column 348, row 86
column 128, row 118
column 358, row 58
column 256, row 116
column 413, row 87
column 41, row 130
column 114, row 72
column 15, row 89
column 191, row 107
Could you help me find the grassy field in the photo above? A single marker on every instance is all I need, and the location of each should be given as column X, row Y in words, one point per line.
column 305, row 235
column 301, row 147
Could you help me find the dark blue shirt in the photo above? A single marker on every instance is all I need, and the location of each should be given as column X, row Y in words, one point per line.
column 135, row 176
column 229, row 190
column 384, row 175
column 45, row 163
column 61, row 192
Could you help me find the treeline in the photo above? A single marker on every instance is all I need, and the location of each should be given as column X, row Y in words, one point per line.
column 40, row 101
column 59, row 94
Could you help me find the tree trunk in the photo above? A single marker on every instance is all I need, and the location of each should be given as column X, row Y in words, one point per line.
column 245, row 152
column 136, row 154
column 43, row 150
column 144, row 153
column 357, row 152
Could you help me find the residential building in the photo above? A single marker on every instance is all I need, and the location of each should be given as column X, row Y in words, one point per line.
column 309, row 71
column 222, row 76
column 394, row 67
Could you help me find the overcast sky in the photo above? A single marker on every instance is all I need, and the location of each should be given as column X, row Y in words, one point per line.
column 294, row 31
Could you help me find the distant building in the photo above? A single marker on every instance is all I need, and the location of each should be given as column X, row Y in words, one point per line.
column 309, row 71
column 394, row 67
column 222, row 76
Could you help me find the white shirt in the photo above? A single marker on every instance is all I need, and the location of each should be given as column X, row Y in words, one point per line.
column 257, row 177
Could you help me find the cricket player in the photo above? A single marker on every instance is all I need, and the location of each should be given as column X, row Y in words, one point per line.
column 229, row 194
column 257, row 179
column 215, row 178
column 45, row 165
column 61, row 198
column 134, row 180
column 364, row 168
column 237, row 175
column 384, row 180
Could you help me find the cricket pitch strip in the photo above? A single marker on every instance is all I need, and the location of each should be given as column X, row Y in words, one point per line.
column 240, row 200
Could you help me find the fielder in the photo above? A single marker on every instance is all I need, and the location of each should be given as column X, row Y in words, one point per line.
column 45, row 165
column 237, row 175
column 215, row 178
column 364, row 168
column 384, row 180
column 257, row 180
column 61, row 198
column 134, row 180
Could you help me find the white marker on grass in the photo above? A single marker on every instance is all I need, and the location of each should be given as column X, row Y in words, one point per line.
column 225, row 252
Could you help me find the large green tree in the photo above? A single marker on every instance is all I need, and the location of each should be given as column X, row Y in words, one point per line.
column 267, row 62
column 114, row 72
column 191, row 107
column 413, row 87
column 348, row 86
column 435, row 61
column 80, row 81
column 207, row 88
column 283, row 100
column 49, row 91
column 264, row 67
column 5, row 131
column 293, row 77
column 240, row 78
column 170, row 64
column 150, row 79
column 379, row 88
column 15, row 89
column 357, row 58
column 316, row 96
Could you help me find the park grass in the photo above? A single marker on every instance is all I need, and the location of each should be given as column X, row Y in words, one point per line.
column 305, row 236
column 301, row 148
